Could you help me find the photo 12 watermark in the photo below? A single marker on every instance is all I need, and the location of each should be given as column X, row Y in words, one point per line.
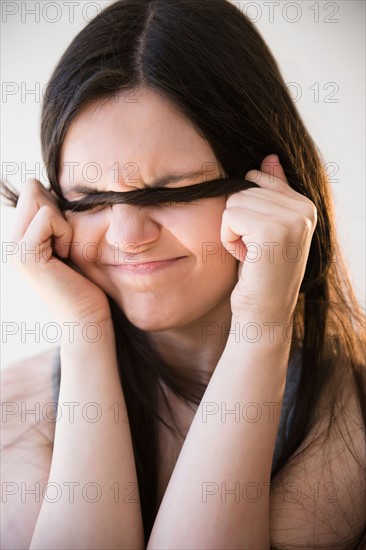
column 71, row 491
column 252, row 492
column 50, row 332
column 290, row 12
column 28, row 11
column 92, row 412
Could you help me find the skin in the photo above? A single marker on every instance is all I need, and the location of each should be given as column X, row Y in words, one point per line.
column 153, row 139
column 132, row 144
column 264, row 290
column 153, row 136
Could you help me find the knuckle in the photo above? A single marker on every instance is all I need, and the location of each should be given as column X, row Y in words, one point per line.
column 315, row 214
column 230, row 201
column 311, row 210
column 32, row 182
column 30, row 190
column 46, row 210
column 233, row 199
column 225, row 213
column 303, row 223
column 32, row 186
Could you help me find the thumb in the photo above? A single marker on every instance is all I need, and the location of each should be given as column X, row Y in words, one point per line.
column 271, row 165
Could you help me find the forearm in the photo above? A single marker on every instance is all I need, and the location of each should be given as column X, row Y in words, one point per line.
column 218, row 495
column 93, row 497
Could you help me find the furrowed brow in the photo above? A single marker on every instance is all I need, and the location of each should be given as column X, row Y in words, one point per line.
column 78, row 188
column 173, row 178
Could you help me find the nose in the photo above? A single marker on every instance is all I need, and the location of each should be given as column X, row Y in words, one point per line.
column 131, row 226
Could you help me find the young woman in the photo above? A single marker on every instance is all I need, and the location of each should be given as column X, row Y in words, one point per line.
column 221, row 402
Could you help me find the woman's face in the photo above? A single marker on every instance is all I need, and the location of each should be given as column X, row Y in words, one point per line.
column 164, row 265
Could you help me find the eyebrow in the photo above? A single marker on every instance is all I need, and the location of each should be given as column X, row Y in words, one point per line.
column 173, row 178
column 156, row 184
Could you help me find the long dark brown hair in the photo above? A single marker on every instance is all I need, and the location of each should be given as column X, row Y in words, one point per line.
column 211, row 62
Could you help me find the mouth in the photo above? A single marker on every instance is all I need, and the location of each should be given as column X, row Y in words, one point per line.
column 141, row 268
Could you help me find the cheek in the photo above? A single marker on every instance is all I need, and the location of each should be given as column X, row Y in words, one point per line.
column 86, row 246
column 189, row 223
column 198, row 230
column 218, row 267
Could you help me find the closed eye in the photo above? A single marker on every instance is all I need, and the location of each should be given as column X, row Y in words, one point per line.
column 83, row 202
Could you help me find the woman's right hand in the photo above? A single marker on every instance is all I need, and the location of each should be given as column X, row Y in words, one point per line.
column 41, row 231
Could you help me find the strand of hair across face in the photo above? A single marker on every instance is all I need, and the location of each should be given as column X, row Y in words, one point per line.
column 156, row 196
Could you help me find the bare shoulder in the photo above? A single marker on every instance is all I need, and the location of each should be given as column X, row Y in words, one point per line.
column 32, row 366
column 319, row 497
column 27, row 430
column 35, row 366
column 27, row 395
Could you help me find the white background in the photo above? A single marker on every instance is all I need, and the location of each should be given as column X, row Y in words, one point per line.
column 320, row 46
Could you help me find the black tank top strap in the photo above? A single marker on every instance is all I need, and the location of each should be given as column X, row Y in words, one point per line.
column 56, row 375
column 289, row 401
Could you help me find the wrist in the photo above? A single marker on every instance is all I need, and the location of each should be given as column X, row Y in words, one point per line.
column 261, row 365
column 261, row 330
column 86, row 333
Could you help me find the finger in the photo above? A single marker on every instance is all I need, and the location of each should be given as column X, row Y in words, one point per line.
column 298, row 203
column 271, row 165
column 255, row 227
column 281, row 215
column 268, row 181
column 248, row 228
column 31, row 198
column 45, row 225
column 238, row 223
column 270, row 175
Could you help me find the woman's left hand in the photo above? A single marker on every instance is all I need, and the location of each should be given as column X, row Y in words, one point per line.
column 269, row 230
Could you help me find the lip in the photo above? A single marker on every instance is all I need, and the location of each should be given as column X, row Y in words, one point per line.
column 142, row 268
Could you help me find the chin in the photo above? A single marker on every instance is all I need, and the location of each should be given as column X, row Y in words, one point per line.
column 151, row 324
column 149, row 316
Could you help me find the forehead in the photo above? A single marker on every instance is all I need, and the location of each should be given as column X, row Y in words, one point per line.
column 140, row 135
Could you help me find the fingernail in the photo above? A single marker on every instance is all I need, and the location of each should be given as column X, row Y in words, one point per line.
column 252, row 175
